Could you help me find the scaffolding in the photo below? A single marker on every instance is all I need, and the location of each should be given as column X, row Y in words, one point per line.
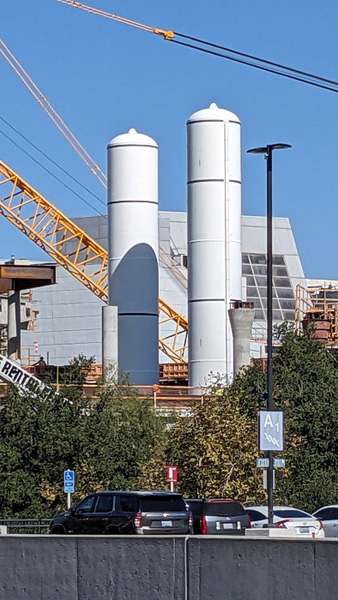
column 318, row 306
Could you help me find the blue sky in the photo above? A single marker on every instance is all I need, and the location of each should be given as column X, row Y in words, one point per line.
column 103, row 78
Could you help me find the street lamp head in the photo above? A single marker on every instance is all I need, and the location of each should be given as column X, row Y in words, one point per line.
column 279, row 146
column 268, row 149
column 258, row 150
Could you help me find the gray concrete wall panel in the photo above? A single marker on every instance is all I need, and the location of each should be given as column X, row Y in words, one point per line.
column 78, row 568
column 131, row 568
column 34, row 568
column 251, row 569
column 325, row 570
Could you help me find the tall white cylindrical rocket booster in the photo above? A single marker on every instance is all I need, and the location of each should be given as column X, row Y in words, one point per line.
column 214, row 239
column 133, row 252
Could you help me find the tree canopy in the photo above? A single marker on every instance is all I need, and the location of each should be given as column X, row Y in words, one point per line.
column 118, row 441
column 103, row 440
column 305, row 378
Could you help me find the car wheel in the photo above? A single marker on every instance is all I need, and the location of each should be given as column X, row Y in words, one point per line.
column 58, row 530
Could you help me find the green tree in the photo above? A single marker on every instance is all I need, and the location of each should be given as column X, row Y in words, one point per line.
column 77, row 370
column 306, row 388
column 214, row 448
column 41, row 435
column 104, row 440
column 125, row 433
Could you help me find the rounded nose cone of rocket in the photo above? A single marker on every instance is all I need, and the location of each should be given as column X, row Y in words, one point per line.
column 132, row 138
column 213, row 113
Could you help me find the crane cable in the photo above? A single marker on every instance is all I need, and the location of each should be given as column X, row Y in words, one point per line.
column 53, row 115
column 204, row 46
column 313, row 80
column 251, row 56
column 51, row 173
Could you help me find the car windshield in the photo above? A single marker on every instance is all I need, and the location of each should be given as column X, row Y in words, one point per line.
column 290, row 513
column 162, row 504
column 224, row 509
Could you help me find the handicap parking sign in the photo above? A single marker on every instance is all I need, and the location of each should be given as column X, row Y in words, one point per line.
column 69, row 481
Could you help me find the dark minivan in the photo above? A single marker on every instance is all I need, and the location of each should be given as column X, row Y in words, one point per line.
column 218, row 516
column 118, row 512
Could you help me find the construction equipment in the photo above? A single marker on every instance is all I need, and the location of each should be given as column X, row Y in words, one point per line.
column 52, row 231
column 168, row 35
column 51, row 112
column 12, row 372
column 318, row 306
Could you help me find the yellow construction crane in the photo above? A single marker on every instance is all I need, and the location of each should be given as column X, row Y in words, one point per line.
column 55, row 233
column 167, row 34
column 51, row 230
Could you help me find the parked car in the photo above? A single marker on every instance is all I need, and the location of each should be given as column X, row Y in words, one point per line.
column 287, row 517
column 218, row 516
column 328, row 515
column 119, row 512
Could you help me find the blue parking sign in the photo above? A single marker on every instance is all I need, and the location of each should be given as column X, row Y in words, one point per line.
column 69, row 481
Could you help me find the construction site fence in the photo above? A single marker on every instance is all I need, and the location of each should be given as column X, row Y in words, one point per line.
column 162, row 396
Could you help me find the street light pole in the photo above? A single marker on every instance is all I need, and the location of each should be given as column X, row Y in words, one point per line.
column 267, row 151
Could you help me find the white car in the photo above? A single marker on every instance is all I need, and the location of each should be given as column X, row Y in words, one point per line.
column 306, row 525
column 329, row 517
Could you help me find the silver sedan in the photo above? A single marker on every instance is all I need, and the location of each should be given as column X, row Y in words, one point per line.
column 329, row 517
column 306, row 525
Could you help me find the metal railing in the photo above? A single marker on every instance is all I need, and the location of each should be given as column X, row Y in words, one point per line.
column 26, row 526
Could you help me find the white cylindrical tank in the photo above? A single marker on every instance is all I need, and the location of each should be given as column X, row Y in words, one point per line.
column 214, row 239
column 133, row 252
column 109, row 342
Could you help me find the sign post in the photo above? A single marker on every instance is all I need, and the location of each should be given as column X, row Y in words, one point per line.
column 172, row 475
column 69, row 485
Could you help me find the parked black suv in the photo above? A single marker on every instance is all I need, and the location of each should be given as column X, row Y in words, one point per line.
column 121, row 513
column 218, row 516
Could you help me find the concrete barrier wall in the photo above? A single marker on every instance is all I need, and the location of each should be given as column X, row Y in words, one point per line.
column 105, row 568
column 166, row 568
column 262, row 569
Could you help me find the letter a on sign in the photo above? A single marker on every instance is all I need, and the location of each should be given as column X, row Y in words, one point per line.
column 268, row 420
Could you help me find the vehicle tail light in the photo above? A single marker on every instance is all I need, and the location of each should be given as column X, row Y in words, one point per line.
column 249, row 521
column 320, row 525
column 137, row 520
column 282, row 523
column 190, row 519
column 238, row 525
column 203, row 525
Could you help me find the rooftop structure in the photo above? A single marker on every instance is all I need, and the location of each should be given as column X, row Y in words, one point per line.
column 69, row 319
